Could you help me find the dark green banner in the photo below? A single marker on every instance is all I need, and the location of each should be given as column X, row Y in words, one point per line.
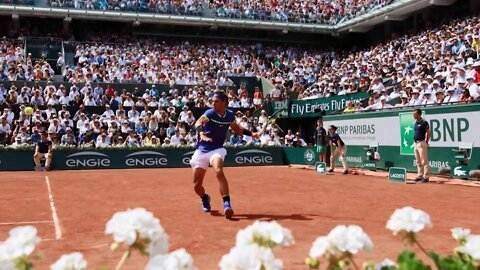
column 136, row 158
column 312, row 107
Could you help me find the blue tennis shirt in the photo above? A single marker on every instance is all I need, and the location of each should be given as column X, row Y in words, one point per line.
column 216, row 128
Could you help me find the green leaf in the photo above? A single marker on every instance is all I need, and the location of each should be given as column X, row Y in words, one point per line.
column 312, row 263
column 451, row 262
column 407, row 260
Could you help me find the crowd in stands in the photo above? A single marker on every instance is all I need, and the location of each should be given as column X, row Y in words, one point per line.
column 124, row 124
column 16, row 66
column 437, row 66
column 302, row 11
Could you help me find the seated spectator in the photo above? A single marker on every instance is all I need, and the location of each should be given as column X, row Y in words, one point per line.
column 103, row 141
column 350, row 108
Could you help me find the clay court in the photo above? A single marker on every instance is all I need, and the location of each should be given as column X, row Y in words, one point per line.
column 70, row 210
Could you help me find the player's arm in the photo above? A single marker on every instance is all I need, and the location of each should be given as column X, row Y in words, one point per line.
column 239, row 130
column 199, row 128
column 201, row 121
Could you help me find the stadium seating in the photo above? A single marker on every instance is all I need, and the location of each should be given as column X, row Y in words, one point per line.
column 320, row 11
column 435, row 67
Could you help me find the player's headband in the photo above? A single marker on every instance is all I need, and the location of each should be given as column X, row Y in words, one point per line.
column 220, row 95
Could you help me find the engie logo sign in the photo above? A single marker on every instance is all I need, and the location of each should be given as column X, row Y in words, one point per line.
column 146, row 159
column 187, row 157
column 253, row 157
column 87, row 159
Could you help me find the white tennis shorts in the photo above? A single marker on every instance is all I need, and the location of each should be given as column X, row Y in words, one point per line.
column 203, row 160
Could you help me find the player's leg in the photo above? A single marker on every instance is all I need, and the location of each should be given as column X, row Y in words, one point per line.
column 217, row 163
column 199, row 163
column 334, row 155
column 198, row 175
column 343, row 158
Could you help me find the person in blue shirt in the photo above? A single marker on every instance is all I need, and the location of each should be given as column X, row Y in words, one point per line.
column 212, row 129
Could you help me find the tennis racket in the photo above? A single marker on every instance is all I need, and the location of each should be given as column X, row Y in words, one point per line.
column 275, row 115
column 273, row 118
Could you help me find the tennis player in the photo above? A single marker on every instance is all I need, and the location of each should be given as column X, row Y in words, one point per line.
column 212, row 129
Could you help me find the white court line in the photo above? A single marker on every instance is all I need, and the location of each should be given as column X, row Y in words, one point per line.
column 58, row 230
column 26, row 222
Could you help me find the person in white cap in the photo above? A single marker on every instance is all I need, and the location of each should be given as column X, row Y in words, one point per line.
column 440, row 96
column 423, row 87
column 472, row 87
column 404, row 101
column 415, row 100
column 451, row 97
column 461, row 83
column 382, row 104
column 435, row 87
column 395, row 94
column 470, row 71
column 183, row 114
column 427, row 98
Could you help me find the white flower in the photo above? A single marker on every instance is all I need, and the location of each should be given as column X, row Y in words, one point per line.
column 21, row 242
column 72, row 261
column 176, row 260
column 460, row 234
column 251, row 257
column 126, row 226
column 386, row 263
column 321, row 246
column 408, row 219
column 267, row 234
column 7, row 265
column 350, row 239
column 341, row 239
column 472, row 247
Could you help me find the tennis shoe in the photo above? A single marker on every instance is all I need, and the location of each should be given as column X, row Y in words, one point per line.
column 424, row 180
column 418, row 179
column 206, row 203
column 227, row 209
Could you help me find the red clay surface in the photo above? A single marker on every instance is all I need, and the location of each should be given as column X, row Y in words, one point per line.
column 307, row 203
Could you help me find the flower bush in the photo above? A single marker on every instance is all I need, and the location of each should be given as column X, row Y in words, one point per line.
column 138, row 230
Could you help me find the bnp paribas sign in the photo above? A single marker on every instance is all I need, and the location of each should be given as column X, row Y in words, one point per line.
column 407, row 125
column 445, row 130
